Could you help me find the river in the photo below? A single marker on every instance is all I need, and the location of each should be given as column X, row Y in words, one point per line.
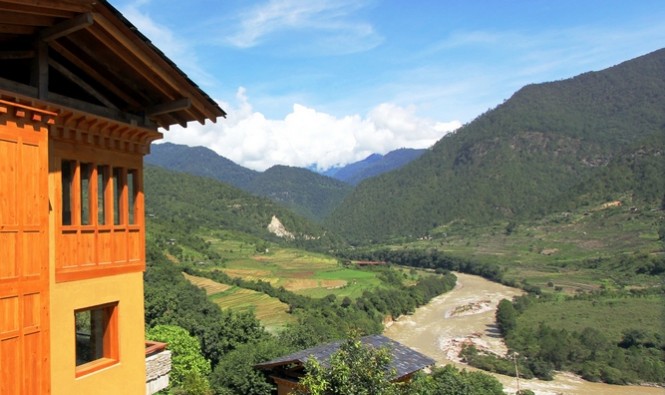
column 466, row 314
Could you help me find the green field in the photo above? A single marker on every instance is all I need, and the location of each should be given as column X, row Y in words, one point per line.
column 299, row 271
column 272, row 313
column 614, row 315
column 303, row 272
column 574, row 251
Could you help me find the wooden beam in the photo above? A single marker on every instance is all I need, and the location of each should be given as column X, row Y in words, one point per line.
column 17, row 18
column 165, row 108
column 13, row 55
column 63, row 5
column 32, row 9
column 84, row 85
column 17, row 87
column 89, row 68
column 17, row 29
column 65, row 28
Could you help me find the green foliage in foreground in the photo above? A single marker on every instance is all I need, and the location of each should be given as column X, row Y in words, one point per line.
column 356, row 369
column 190, row 370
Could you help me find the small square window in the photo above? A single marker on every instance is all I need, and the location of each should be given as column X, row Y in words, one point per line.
column 96, row 338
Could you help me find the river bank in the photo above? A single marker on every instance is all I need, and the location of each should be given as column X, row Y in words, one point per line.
column 466, row 315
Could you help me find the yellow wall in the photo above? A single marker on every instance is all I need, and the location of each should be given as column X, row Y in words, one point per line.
column 128, row 375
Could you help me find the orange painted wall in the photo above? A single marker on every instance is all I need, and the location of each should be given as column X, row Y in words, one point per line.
column 24, row 293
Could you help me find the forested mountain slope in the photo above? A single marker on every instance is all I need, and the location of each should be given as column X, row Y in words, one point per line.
column 598, row 136
column 200, row 161
column 186, row 203
column 306, row 193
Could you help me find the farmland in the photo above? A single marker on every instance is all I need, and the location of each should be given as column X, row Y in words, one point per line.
column 302, row 272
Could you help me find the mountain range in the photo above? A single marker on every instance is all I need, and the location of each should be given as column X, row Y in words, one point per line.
column 306, row 192
column 552, row 147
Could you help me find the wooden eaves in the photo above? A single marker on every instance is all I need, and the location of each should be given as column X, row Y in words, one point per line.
column 84, row 55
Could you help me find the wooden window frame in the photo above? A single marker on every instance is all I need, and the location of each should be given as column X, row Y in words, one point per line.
column 108, row 251
column 110, row 342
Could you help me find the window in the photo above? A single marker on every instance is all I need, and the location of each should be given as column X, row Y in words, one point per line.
column 86, row 193
column 67, row 174
column 118, row 187
column 132, row 189
column 102, row 186
column 96, row 338
column 101, row 219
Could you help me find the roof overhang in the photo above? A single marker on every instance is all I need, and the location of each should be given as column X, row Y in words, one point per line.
column 84, row 54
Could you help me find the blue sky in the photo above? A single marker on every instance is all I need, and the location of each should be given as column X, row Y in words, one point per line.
column 329, row 82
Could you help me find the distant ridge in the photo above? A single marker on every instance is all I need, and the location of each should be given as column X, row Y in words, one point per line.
column 307, row 193
column 200, row 161
column 374, row 165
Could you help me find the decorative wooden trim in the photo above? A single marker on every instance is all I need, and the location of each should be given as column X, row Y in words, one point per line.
column 36, row 115
column 77, row 274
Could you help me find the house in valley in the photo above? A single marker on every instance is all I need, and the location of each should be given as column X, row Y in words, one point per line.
column 286, row 371
column 82, row 95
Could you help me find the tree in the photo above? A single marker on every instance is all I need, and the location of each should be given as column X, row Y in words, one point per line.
column 189, row 369
column 355, row 369
column 236, row 374
column 506, row 316
column 449, row 380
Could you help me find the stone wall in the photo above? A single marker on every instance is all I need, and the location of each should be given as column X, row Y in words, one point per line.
column 157, row 370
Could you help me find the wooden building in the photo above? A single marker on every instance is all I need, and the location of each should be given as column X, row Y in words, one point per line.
column 287, row 371
column 82, row 95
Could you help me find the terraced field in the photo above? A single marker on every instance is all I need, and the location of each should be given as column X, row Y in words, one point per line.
column 270, row 311
column 296, row 270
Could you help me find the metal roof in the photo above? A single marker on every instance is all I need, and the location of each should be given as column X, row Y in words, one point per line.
column 404, row 359
column 85, row 55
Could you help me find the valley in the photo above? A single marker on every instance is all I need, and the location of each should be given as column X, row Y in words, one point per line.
column 440, row 328
column 552, row 219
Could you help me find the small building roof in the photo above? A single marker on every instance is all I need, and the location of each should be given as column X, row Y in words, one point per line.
column 86, row 56
column 405, row 360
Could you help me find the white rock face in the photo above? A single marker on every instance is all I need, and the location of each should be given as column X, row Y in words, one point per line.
column 275, row 227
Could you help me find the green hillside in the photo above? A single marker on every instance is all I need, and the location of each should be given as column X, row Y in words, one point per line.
column 306, row 193
column 551, row 147
column 180, row 205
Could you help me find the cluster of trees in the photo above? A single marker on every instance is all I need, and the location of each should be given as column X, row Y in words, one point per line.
column 356, row 369
column 639, row 356
column 428, row 259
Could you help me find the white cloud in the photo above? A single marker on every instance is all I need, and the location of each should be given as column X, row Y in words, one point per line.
column 306, row 136
column 320, row 25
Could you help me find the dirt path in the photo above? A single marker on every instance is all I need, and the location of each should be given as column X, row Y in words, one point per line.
column 466, row 314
